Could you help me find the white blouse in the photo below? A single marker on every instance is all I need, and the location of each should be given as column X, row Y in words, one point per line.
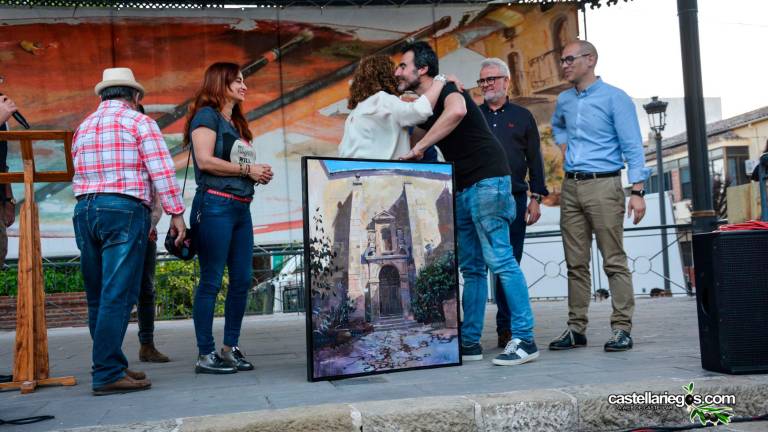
column 375, row 129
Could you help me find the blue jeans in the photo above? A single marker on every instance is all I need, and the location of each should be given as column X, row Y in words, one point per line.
column 516, row 239
column 484, row 212
column 224, row 235
column 111, row 233
column 145, row 309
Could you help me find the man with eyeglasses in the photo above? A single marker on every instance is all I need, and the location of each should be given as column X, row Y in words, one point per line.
column 596, row 126
column 516, row 130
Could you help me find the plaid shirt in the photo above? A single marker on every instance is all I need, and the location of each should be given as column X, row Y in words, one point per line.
column 119, row 150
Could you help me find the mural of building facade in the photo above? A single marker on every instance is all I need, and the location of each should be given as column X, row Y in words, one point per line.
column 374, row 229
column 297, row 63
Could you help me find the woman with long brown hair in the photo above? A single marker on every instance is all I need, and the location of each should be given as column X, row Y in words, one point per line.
column 225, row 172
column 376, row 127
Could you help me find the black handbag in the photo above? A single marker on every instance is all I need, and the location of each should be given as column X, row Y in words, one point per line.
column 188, row 248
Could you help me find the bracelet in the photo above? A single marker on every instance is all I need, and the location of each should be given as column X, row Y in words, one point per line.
column 242, row 170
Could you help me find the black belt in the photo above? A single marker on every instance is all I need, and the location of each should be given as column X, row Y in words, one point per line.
column 590, row 176
column 118, row 195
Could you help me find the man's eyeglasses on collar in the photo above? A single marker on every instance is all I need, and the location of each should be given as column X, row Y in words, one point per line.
column 489, row 80
column 570, row 59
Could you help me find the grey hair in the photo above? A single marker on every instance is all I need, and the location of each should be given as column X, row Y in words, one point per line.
column 497, row 63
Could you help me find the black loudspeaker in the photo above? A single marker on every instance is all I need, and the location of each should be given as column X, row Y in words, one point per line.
column 732, row 300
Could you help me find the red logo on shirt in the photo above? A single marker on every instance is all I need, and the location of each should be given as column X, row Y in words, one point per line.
column 511, row 125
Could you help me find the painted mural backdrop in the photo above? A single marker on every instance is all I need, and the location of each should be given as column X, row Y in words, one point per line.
column 297, row 63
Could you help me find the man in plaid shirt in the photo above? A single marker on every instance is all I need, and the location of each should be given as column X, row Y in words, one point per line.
column 120, row 159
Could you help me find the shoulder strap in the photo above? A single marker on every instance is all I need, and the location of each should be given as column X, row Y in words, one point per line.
column 186, row 171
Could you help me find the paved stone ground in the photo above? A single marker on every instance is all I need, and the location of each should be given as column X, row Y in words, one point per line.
column 666, row 348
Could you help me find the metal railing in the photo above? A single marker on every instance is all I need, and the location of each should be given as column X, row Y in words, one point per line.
column 175, row 282
column 546, row 272
column 276, row 291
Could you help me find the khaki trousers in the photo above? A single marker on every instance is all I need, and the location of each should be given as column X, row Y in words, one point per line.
column 595, row 206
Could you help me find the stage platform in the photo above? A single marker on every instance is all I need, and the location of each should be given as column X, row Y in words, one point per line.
column 560, row 391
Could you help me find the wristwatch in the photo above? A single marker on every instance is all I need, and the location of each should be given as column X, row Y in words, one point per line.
column 439, row 77
column 11, row 200
column 640, row 193
column 536, row 197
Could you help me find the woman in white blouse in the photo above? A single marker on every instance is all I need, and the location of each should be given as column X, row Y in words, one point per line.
column 376, row 127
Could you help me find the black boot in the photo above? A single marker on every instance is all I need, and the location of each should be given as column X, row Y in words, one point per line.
column 235, row 358
column 213, row 364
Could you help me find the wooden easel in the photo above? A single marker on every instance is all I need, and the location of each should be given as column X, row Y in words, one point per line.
column 30, row 367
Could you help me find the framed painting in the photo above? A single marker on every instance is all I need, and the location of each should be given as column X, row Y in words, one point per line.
column 380, row 263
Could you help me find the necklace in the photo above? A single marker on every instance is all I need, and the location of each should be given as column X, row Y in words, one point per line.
column 226, row 117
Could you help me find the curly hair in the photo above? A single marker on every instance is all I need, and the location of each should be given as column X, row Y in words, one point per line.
column 373, row 74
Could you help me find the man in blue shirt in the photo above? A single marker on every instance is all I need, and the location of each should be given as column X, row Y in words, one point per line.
column 596, row 127
column 516, row 130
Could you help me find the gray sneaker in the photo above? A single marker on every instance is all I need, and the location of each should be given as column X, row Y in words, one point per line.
column 517, row 352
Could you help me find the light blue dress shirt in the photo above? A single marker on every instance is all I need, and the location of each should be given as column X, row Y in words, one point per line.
column 600, row 127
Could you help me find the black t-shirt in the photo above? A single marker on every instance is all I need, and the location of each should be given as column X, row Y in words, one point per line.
column 474, row 151
column 230, row 147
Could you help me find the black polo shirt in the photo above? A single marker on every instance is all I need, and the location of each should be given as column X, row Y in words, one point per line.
column 516, row 130
column 475, row 153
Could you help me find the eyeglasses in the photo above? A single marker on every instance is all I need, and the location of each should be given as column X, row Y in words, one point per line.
column 489, row 80
column 570, row 59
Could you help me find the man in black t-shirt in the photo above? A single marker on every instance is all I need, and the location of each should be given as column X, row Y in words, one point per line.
column 484, row 206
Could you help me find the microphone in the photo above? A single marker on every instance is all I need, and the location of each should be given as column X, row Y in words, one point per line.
column 20, row 118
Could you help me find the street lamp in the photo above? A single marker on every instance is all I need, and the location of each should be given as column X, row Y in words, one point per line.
column 657, row 119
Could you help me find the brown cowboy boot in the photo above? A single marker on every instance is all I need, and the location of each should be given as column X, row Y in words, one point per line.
column 148, row 353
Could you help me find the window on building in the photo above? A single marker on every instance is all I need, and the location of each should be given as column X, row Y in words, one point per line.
column 653, row 182
column 686, row 188
column 735, row 170
column 716, row 163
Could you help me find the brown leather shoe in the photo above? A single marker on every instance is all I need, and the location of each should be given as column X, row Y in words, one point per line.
column 148, row 353
column 125, row 384
column 504, row 337
column 136, row 375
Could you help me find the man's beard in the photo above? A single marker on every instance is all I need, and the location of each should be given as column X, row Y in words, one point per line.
column 493, row 96
column 403, row 85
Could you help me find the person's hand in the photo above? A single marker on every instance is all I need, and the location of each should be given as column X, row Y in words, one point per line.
column 7, row 108
column 261, row 173
column 178, row 228
column 533, row 213
column 454, row 79
column 9, row 213
column 414, row 154
column 637, row 206
column 409, row 96
column 153, row 234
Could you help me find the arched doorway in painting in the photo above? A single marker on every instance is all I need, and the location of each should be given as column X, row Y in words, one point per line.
column 389, row 289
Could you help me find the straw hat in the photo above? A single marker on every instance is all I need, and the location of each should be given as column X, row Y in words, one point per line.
column 114, row 77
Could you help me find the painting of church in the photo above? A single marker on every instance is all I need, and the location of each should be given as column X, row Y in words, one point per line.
column 373, row 226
